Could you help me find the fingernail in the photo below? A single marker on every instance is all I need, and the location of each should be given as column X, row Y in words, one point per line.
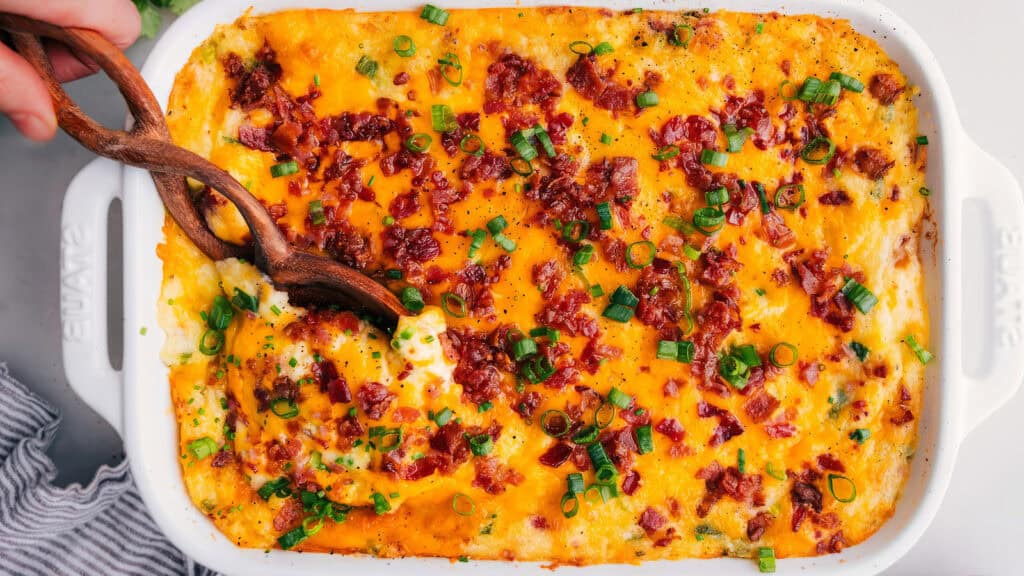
column 35, row 127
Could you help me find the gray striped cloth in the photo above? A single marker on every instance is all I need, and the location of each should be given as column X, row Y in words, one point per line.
column 99, row 529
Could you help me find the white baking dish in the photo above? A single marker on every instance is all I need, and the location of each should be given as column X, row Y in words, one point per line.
column 974, row 290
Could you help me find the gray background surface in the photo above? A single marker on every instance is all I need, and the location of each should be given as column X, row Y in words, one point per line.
column 977, row 43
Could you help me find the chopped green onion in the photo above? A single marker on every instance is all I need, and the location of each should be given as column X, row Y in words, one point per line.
column 411, row 298
column 277, row 488
column 860, row 350
column 766, row 560
column 481, row 444
column 924, row 191
column 447, row 64
column 380, row 503
column 545, row 141
column 544, row 332
column 244, row 301
column 678, row 224
column 581, row 47
column 419, row 142
column 555, row 430
column 605, row 139
column 575, row 481
column 748, row 354
column 810, row 90
column 922, row 140
column 624, row 296
column 604, row 470
column 521, row 166
column 860, row 435
column 666, row 153
column 734, row 371
column 680, row 39
column 717, row 197
column 477, row 242
column 759, row 28
column 741, row 461
column 585, row 435
column 316, row 213
column 284, row 169
column 604, row 214
column 790, row 196
column 848, row 82
column 644, row 440
column 394, row 274
column 404, row 46
column 618, row 312
column 292, row 538
column 762, row 198
column 792, row 95
column 442, row 118
column 472, row 144
column 771, row 471
column 576, row 230
column 685, row 351
column 646, row 99
column 316, row 80
column 523, row 348
column 667, row 350
column 388, row 439
column 603, row 48
column 220, row 313
column 596, row 291
column 583, row 255
column 447, row 299
column 736, row 138
column 497, row 224
column 218, row 342
column 851, row 488
column 434, row 15
column 859, row 295
column 808, row 153
column 366, row 66
column 284, row 408
column 202, row 448
column 538, row 370
column 387, row 220
column 570, row 504
column 521, row 141
column 923, row 355
column 708, row 220
column 713, row 158
column 642, row 261
column 442, row 417
column 619, row 398
column 787, row 360
column 691, row 252
column 608, row 411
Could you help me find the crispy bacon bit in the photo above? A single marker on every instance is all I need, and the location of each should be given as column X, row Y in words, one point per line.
column 757, row 525
column 594, row 353
column 528, row 404
column 728, row 425
column 556, row 455
column 614, row 251
column 253, row 83
column 906, row 415
column 485, row 168
column 806, row 494
column 827, row 302
column 672, row 428
column 374, row 400
column 750, row 112
column 611, row 179
column 421, row 165
column 326, row 374
column 835, row 198
column 597, row 85
column 830, row 462
column 564, row 312
column 255, row 138
column 775, row 230
column 410, row 246
column 886, row 88
column 631, row 483
column 547, row 276
column 651, row 520
column 492, row 475
column 513, row 82
column 872, row 162
column 349, row 428
column 716, row 320
column 779, row 430
column 288, row 515
column 620, row 446
column 404, row 205
column 719, row 482
column 670, row 388
column 760, row 405
column 809, row 372
column 719, row 266
column 480, row 365
column 539, row 522
column 222, row 459
column 693, row 135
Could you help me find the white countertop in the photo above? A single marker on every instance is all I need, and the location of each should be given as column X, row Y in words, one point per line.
column 978, row 45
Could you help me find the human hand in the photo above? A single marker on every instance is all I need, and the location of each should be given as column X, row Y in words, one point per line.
column 23, row 94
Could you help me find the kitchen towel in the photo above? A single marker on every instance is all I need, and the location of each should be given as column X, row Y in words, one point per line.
column 99, row 529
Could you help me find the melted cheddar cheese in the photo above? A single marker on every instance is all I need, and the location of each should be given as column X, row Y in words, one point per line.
column 307, row 404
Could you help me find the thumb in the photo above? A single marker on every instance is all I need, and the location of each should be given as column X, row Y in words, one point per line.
column 24, row 97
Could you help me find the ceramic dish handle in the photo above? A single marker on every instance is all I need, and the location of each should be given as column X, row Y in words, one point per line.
column 83, row 288
column 993, row 285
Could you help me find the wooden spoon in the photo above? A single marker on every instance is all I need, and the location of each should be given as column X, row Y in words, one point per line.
column 307, row 277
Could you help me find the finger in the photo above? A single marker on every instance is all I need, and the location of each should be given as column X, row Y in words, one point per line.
column 24, row 98
column 67, row 65
column 117, row 20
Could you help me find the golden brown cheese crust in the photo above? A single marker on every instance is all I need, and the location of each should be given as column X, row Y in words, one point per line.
column 271, row 89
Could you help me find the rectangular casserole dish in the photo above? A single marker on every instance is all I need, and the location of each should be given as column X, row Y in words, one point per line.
column 975, row 234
